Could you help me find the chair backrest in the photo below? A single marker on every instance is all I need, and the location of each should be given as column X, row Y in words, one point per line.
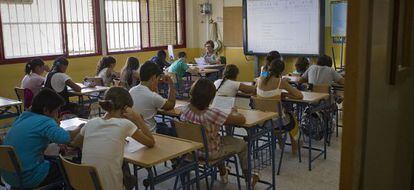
column 321, row 88
column 19, row 93
column 267, row 104
column 9, row 161
column 98, row 81
column 81, row 176
column 189, row 131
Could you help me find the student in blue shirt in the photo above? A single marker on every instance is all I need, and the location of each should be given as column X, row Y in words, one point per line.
column 30, row 135
column 180, row 67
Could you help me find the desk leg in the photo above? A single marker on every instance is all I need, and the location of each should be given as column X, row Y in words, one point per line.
column 136, row 176
column 197, row 175
column 273, row 151
column 151, row 178
column 249, row 160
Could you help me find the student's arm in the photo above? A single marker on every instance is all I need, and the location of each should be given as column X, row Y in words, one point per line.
column 235, row 118
column 304, row 77
column 292, row 92
column 77, row 141
column 337, row 77
column 142, row 134
column 248, row 89
column 170, row 103
column 56, row 134
column 73, row 85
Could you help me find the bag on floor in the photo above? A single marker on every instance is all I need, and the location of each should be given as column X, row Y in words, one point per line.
column 313, row 125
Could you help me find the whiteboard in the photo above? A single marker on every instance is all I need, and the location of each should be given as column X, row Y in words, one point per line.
column 289, row 26
column 338, row 18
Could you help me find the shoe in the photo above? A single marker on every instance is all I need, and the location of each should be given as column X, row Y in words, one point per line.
column 224, row 178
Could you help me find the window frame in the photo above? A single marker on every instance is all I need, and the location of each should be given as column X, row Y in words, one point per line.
column 155, row 48
column 63, row 24
column 97, row 19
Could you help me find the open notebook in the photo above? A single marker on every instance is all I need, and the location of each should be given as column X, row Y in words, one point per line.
column 223, row 103
column 200, row 61
column 132, row 145
column 72, row 124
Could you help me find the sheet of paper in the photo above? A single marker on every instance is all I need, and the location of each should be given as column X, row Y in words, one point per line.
column 132, row 145
column 171, row 52
column 200, row 61
column 223, row 103
column 72, row 124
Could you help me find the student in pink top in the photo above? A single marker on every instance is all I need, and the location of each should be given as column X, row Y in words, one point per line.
column 33, row 78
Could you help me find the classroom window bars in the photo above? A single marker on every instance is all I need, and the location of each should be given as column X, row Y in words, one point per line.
column 133, row 25
column 48, row 28
column 72, row 28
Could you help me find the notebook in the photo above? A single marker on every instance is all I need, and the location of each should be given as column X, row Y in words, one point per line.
column 223, row 103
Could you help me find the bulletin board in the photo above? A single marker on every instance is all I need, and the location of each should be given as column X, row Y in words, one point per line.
column 233, row 26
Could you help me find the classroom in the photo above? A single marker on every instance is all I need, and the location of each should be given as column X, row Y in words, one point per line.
column 206, row 94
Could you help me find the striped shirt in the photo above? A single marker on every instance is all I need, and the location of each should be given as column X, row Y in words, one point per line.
column 212, row 119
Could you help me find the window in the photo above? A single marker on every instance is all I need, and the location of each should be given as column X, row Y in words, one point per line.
column 80, row 27
column 29, row 30
column 48, row 27
column 143, row 24
column 122, row 25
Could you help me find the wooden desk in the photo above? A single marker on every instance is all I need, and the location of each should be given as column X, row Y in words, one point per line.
column 292, row 79
column 166, row 148
column 6, row 104
column 208, row 71
column 208, row 66
column 255, row 117
column 309, row 97
column 176, row 112
column 88, row 90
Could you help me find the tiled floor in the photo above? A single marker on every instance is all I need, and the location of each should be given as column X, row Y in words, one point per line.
column 293, row 176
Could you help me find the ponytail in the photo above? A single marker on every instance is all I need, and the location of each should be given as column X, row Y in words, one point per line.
column 107, row 105
column 276, row 68
column 28, row 68
column 230, row 72
column 32, row 64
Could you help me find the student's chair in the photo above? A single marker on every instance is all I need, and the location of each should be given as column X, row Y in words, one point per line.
column 25, row 96
column 197, row 133
column 273, row 105
column 10, row 163
column 80, row 177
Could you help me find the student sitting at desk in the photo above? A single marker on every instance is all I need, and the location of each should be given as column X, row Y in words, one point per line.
column 105, row 70
column 210, row 56
column 146, row 99
column 103, row 139
column 198, row 112
column 273, row 55
column 34, row 80
column 180, row 67
column 130, row 74
column 30, row 135
column 301, row 65
column 228, row 86
column 321, row 73
column 160, row 60
column 271, row 87
column 58, row 80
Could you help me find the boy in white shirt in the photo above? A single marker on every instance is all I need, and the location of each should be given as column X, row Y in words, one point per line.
column 146, row 99
column 322, row 74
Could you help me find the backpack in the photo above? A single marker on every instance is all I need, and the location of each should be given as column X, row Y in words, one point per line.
column 313, row 124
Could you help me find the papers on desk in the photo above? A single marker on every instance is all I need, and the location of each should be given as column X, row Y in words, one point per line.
column 200, row 61
column 223, row 103
column 132, row 145
column 72, row 124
